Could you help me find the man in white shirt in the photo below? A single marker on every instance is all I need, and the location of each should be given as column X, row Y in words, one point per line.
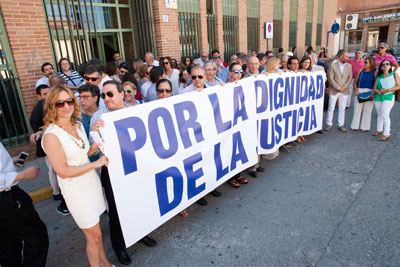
column 47, row 70
column 23, row 235
column 149, row 58
column 203, row 58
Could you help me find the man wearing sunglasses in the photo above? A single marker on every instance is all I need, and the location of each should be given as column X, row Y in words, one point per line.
column 198, row 76
column 113, row 95
column 382, row 55
column 203, row 59
column 222, row 72
column 94, row 74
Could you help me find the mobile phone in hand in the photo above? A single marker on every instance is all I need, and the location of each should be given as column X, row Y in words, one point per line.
column 21, row 159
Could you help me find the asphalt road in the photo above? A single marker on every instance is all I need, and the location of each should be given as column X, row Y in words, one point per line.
column 333, row 201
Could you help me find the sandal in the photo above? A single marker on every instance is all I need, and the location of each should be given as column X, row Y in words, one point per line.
column 384, row 138
column 376, row 133
column 242, row 180
column 184, row 214
column 298, row 140
column 234, row 183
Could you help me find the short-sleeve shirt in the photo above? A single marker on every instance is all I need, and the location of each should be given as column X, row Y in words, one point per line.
column 74, row 80
column 356, row 66
column 387, row 56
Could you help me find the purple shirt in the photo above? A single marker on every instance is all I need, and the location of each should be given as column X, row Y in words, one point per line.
column 387, row 56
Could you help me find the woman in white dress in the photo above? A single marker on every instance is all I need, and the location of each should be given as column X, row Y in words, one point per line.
column 67, row 148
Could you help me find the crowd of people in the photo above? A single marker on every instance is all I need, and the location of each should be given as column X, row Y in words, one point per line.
column 71, row 102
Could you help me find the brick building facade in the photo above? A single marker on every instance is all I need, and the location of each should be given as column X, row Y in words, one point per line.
column 41, row 31
column 366, row 23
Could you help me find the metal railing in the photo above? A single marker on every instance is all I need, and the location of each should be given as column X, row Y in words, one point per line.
column 189, row 34
column 211, row 32
column 230, row 36
column 144, row 27
column 252, row 33
column 13, row 121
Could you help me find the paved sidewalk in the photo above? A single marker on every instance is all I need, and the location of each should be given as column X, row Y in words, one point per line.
column 333, row 201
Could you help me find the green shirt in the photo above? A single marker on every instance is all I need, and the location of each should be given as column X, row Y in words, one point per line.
column 387, row 96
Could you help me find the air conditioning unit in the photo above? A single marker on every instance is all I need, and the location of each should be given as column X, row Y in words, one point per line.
column 351, row 22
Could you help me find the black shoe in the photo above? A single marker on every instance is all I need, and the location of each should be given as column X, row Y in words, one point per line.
column 123, row 257
column 253, row 174
column 320, row 132
column 202, row 202
column 57, row 197
column 260, row 169
column 283, row 149
column 216, row 193
column 148, row 241
column 62, row 210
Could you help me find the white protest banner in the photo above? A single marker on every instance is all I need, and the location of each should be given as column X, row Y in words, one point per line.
column 166, row 154
column 288, row 105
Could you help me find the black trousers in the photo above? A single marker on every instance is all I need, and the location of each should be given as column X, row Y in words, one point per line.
column 23, row 235
column 117, row 239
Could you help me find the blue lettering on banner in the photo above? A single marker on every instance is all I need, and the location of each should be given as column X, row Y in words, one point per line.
column 129, row 146
column 271, row 98
column 304, row 89
column 311, row 89
column 221, row 171
column 313, row 121
column 239, row 108
column 294, row 123
column 192, row 175
column 161, row 186
column 286, row 116
column 238, row 151
column 219, row 124
column 278, row 128
column 155, row 134
column 298, row 89
column 264, row 131
column 185, row 124
column 278, row 97
column 263, row 95
column 300, row 123
column 320, row 86
column 289, row 91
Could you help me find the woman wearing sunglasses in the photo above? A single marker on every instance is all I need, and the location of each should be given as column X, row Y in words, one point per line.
column 130, row 93
column 386, row 83
column 363, row 83
column 171, row 73
column 236, row 73
column 67, row 149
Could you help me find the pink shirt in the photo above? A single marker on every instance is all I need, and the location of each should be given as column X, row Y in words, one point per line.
column 356, row 66
column 388, row 57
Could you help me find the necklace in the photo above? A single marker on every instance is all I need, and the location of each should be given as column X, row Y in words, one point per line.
column 83, row 145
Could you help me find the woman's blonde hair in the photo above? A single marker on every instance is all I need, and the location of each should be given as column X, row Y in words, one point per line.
column 50, row 108
column 130, row 84
column 271, row 63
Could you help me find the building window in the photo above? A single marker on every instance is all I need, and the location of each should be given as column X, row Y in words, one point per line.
column 396, row 39
column 319, row 24
column 277, row 40
column 352, row 40
column 293, row 23
column 230, row 20
column 189, row 20
column 253, row 24
column 309, row 18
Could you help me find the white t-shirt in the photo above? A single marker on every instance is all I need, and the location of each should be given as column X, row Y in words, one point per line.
column 174, row 79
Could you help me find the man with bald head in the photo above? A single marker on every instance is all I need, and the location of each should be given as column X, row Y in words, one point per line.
column 253, row 65
column 203, row 58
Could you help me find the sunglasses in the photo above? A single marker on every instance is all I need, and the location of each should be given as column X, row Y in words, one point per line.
column 165, row 63
column 85, row 96
column 109, row 94
column 160, row 91
column 381, row 47
column 93, row 79
column 194, row 77
column 129, row 91
column 122, row 71
column 385, row 64
column 61, row 103
column 238, row 71
column 216, row 57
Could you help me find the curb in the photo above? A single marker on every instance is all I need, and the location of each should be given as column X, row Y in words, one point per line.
column 41, row 194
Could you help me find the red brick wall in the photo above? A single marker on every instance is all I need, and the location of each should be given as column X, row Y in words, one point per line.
column 266, row 15
column 166, row 33
column 29, row 41
column 242, row 26
column 364, row 5
column 203, row 27
column 219, row 27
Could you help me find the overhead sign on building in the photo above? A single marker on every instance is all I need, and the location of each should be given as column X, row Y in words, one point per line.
column 269, row 30
column 381, row 18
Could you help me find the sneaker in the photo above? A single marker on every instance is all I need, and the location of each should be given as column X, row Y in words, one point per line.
column 342, row 129
column 62, row 211
column 328, row 128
